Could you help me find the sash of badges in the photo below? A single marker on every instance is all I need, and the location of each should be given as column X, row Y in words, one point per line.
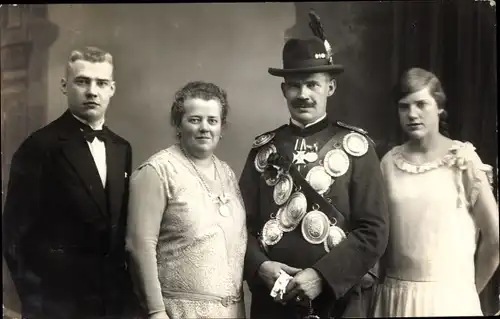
column 316, row 227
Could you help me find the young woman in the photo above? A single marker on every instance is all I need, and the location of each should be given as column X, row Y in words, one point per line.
column 444, row 238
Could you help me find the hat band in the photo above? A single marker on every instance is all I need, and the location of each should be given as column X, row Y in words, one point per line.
column 300, row 64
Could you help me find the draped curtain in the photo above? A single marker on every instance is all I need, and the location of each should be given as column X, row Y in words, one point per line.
column 457, row 41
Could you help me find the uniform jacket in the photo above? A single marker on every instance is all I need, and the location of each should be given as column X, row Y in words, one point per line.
column 359, row 194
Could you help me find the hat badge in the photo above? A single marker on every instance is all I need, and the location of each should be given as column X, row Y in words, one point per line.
column 312, row 55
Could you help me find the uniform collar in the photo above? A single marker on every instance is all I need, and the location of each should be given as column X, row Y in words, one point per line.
column 311, row 128
column 300, row 125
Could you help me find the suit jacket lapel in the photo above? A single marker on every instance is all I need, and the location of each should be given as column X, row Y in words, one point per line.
column 116, row 161
column 78, row 154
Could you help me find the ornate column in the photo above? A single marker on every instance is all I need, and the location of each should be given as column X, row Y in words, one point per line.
column 25, row 37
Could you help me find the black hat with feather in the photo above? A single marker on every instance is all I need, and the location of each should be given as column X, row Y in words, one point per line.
column 312, row 55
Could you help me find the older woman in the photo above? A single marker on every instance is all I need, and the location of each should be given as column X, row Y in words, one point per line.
column 443, row 245
column 186, row 232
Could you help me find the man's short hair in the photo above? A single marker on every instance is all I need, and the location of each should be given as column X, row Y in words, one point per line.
column 90, row 54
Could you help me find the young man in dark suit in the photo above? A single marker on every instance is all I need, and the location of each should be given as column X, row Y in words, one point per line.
column 66, row 206
column 315, row 201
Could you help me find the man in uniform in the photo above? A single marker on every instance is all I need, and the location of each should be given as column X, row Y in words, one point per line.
column 316, row 207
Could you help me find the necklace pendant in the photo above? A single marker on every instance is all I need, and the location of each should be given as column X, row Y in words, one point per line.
column 224, row 210
column 223, row 199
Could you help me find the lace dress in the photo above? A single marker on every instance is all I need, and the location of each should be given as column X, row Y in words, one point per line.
column 429, row 262
column 190, row 255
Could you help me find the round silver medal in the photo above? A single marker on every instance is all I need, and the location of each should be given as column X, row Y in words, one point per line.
column 263, row 139
column 311, row 157
column 293, row 212
column 319, row 179
column 283, row 189
column 260, row 160
column 315, row 227
column 355, row 144
column 285, row 224
column 271, row 232
column 335, row 236
column 336, row 162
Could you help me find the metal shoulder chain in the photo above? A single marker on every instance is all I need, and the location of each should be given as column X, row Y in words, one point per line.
column 202, row 179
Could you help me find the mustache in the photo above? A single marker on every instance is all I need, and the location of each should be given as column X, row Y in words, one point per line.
column 299, row 103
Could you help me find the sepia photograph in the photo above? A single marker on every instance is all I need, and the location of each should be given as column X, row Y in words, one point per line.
column 254, row 160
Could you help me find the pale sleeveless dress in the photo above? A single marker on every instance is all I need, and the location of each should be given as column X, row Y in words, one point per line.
column 199, row 252
column 429, row 262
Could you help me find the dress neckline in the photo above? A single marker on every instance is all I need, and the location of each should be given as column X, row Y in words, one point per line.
column 448, row 159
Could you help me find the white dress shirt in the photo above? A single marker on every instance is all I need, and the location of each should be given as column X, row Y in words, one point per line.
column 98, row 150
column 307, row 125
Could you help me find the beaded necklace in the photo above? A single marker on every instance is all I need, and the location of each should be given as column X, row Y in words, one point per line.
column 222, row 199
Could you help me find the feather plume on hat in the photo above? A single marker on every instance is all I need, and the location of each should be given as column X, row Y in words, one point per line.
column 318, row 31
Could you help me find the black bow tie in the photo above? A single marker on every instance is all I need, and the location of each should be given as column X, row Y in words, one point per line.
column 91, row 134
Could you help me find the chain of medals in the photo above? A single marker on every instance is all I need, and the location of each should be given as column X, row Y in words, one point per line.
column 316, row 227
column 221, row 200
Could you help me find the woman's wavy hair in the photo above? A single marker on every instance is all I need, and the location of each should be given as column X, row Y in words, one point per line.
column 202, row 90
column 416, row 79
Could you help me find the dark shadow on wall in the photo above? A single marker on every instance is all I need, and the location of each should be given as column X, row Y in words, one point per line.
column 377, row 41
column 26, row 36
column 360, row 34
column 457, row 41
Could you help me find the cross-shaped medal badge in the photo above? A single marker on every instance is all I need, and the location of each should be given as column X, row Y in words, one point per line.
column 304, row 153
